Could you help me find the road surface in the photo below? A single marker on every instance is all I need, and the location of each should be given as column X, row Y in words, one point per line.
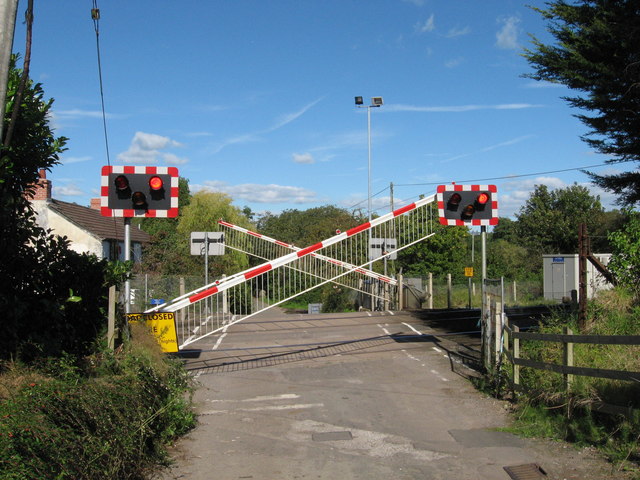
column 352, row 396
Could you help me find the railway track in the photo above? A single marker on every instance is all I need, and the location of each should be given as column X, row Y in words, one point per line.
column 461, row 326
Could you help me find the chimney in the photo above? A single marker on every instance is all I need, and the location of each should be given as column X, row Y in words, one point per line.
column 95, row 203
column 42, row 188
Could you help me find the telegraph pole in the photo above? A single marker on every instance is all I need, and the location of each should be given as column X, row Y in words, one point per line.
column 8, row 9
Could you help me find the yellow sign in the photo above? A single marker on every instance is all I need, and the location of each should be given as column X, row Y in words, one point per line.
column 468, row 271
column 162, row 326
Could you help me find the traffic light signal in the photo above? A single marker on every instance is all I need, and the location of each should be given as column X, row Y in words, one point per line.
column 139, row 191
column 468, row 204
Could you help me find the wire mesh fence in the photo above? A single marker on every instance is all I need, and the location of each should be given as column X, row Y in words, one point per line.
column 150, row 290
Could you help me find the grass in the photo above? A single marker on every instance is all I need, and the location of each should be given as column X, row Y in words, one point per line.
column 548, row 410
column 107, row 416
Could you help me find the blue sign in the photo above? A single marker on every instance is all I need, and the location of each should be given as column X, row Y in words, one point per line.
column 157, row 301
column 558, row 260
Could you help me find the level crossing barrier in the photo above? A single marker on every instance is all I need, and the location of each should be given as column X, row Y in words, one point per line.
column 214, row 307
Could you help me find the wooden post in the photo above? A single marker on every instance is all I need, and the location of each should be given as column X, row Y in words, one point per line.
column 182, row 292
column 516, row 355
column 400, row 291
column 505, row 336
column 430, row 289
column 449, row 288
column 583, row 251
column 111, row 318
column 515, row 293
column 497, row 316
column 568, row 359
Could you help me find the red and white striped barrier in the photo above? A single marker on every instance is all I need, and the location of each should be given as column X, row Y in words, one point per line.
column 345, row 265
column 198, row 295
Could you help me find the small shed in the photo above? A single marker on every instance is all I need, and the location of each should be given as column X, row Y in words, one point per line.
column 561, row 276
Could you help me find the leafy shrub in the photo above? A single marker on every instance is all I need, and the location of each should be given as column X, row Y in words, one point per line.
column 548, row 409
column 102, row 417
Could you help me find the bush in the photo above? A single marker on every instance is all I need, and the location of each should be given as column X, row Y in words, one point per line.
column 547, row 409
column 100, row 417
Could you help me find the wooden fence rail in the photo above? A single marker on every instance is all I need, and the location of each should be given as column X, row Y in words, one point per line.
column 513, row 335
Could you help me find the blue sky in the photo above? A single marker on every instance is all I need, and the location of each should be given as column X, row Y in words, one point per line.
column 255, row 98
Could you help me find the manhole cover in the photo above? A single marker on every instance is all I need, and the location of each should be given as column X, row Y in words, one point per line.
column 528, row 471
column 331, row 436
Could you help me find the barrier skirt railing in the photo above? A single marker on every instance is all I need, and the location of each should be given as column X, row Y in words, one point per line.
column 344, row 258
column 266, row 248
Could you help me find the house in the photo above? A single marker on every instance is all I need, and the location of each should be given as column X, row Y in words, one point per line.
column 87, row 230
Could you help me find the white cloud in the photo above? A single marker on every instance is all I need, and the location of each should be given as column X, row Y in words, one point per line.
column 507, row 36
column 145, row 149
column 304, row 158
column 69, row 190
column 171, row 159
column 252, row 192
column 428, row 26
column 458, row 32
column 254, row 136
column 70, row 160
column 458, row 108
column 290, row 117
column 77, row 113
column 454, row 62
column 506, row 143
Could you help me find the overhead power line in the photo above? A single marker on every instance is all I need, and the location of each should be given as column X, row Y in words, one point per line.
column 506, row 177
column 95, row 16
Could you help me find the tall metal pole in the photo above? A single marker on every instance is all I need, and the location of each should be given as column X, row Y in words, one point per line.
column 483, row 231
column 127, row 257
column 369, row 164
column 8, row 9
column 206, row 258
column 370, row 256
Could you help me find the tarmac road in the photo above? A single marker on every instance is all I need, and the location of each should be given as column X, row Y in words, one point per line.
column 352, row 396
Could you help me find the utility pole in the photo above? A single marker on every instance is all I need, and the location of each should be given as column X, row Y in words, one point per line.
column 583, row 251
column 8, row 9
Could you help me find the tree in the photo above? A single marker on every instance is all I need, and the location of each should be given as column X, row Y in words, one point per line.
column 304, row 228
column 625, row 258
column 202, row 215
column 51, row 298
column 548, row 222
column 505, row 259
column 445, row 252
column 598, row 54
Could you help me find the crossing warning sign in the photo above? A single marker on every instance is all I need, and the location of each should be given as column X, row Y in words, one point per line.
column 162, row 326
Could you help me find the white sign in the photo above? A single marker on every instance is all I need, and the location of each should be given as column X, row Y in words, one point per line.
column 379, row 247
column 214, row 239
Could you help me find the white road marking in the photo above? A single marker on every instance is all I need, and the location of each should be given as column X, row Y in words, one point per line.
column 439, row 376
column 386, row 332
column 298, row 406
column 263, row 398
column 224, row 334
column 437, row 349
column 416, row 331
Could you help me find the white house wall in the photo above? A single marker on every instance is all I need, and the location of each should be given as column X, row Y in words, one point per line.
column 80, row 240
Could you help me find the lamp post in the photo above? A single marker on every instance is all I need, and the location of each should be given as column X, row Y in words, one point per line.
column 375, row 103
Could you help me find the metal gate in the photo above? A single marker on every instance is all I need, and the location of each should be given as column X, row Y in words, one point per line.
column 343, row 258
column 493, row 321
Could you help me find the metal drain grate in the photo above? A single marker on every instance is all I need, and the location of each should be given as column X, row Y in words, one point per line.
column 331, row 436
column 528, row 471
